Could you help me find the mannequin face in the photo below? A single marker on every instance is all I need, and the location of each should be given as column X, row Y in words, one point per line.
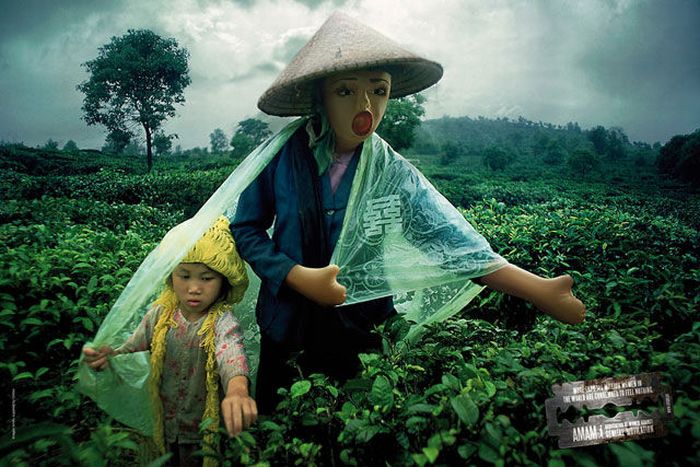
column 355, row 102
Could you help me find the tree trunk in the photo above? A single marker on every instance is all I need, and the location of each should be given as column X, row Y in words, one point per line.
column 149, row 147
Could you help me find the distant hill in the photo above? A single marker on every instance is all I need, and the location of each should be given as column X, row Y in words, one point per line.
column 522, row 136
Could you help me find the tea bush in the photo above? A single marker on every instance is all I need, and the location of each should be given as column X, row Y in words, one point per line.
column 470, row 390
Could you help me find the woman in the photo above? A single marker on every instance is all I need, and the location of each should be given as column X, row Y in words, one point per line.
column 343, row 78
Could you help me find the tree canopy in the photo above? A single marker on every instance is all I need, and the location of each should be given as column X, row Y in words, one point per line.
column 497, row 158
column 249, row 134
column 680, row 158
column 583, row 161
column 135, row 82
column 400, row 121
column 218, row 141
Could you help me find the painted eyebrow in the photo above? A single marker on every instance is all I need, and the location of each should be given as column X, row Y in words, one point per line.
column 352, row 78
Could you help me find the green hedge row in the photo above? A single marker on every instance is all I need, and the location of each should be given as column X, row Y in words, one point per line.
column 470, row 391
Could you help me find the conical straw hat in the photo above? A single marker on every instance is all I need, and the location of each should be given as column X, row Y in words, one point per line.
column 344, row 44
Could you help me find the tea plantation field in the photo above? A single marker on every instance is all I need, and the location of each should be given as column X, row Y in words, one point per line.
column 470, row 391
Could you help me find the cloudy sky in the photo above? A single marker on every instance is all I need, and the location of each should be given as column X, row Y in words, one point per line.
column 628, row 63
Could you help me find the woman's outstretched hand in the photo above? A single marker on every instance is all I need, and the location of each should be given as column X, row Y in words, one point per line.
column 97, row 359
column 559, row 302
column 317, row 284
column 552, row 296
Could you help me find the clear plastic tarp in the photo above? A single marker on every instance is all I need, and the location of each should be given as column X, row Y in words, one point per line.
column 400, row 237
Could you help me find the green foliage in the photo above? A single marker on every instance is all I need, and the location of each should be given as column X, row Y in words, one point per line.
column 163, row 143
column 70, row 146
column 554, row 153
column 117, row 141
column 599, row 137
column 450, row 152
column 56, row 444
column 498, row 158
column 680, row 158
column 135, row 81
column 242, row 145
column 470, row 391
column 401, row 119
column 249, row 134
column 609, row 143
column 50, row 145
column 582, row 162
column 218, row 141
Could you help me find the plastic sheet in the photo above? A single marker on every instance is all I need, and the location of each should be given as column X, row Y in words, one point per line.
column 400, row 237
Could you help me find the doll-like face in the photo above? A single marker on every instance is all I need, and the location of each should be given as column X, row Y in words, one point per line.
column 196, row 286
column 355, row 102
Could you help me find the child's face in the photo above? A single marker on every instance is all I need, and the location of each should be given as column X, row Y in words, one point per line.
column 355, row 103
column 196, row 286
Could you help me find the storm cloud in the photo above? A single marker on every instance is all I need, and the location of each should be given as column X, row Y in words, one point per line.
column 632, row 64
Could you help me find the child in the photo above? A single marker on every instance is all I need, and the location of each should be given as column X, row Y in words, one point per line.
column 192, row 335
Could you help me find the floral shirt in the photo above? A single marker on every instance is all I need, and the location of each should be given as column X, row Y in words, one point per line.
column 182, row 388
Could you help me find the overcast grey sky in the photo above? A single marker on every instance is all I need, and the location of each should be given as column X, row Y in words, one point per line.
column 633, row 64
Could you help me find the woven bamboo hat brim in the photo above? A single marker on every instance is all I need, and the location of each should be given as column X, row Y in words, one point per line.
column 344, row 44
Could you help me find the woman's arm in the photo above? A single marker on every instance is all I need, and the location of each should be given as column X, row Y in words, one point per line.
column 254, row 216
column 552, row 296
column 317, row 284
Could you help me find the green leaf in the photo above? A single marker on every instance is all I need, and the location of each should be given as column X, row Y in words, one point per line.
column 332, row 390
column 419, row 459
column 382, row 392
column 493, row 434
column 467, row 450
column 32, row 432
column 36, row 395
column 631, row 454
column 431, row 454
column 465, row 408
column 33, row 321
column 300, row 388
column 488, row 454
column 450, row 381
column 247, row 438
column 490, row 388
column 23, row 375
column 420, row 408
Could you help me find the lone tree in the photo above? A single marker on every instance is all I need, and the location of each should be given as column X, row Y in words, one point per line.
column 497, row 158
column 218, row 141
column 582, row 162
column 400, row 121
column 249, row 134
column 134, row 82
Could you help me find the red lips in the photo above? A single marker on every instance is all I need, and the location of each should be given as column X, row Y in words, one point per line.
column 362, row 123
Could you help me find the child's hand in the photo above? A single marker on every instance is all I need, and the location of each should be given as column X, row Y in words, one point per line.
column 238, row 408
column 318, row 284
column 97, row 359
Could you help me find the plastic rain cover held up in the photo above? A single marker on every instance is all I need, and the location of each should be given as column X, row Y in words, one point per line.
column 400, row 237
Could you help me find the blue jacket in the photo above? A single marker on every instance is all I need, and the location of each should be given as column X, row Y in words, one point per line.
column 272, row 198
